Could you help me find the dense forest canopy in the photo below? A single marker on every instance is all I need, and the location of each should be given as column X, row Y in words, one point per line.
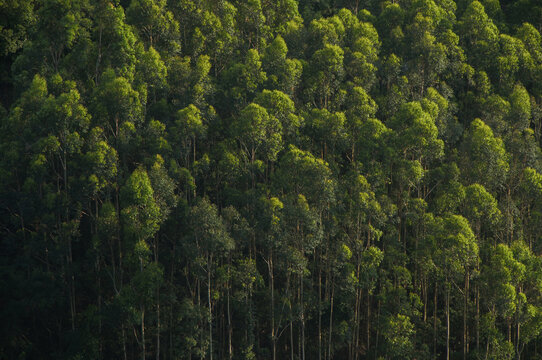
column 259, row 179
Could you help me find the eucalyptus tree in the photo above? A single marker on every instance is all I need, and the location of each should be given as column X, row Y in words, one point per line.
column 455, row 258
column 484, row 159
column 211, row 241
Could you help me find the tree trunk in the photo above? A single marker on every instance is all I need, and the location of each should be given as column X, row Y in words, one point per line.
column 291, row 317
column 100, row 308
column 320, row 312
column 424, row 284
column 435, row 321
column 518, row 352
column 291, row 338
column 125, row 355
column 477, row 317
column 368, row 320
column 230, row 328
column 509, row 325
column 447, row 320
column 210, row 318
column 465, row 335
column 330, row 321
column 302, row 319
column 272, row 293
column 158, row 323
column 377, row 330
column 143, row 350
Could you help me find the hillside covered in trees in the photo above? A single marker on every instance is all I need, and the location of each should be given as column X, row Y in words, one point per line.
column 271, row 179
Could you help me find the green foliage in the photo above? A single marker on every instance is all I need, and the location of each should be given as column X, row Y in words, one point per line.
column 292, row 179
column 257, row 132
column 398, row 333
column 209, row 229
column 456, row 244
column 484, row 157
column 140, row 214
column 154, row 23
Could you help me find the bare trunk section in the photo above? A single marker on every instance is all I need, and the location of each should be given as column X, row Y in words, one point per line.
column 435, row 321
column 447, row 320
column 330, row 321
column 230, row 328
column 272, row 293
column 210, row 319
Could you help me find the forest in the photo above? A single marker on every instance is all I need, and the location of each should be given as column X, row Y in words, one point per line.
column 271, row 179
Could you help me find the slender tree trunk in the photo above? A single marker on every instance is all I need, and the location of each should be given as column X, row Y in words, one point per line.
column 435, row 304
column 368, row 320
column 320, row 311
column 73, row 311
column 302, row 319
column 198, row 286
column 210, row 319
column 377, row 330
column 465, row 304
column 357, row 332
column 291, row 317
column 424, row 284
column 99, row 57
column 509, row 326
column 357, row 314
column 143, row 349
column 124, row 353
column 291, row 338
column 119, row 244
column 272, row 293
column 170, row 308
column 477, row 317
column 330, row 321
column 72, row 283
column 158, row 324
column 518, row 352
column 99, row 306
column 230, row 328
column 447, row 320
column 492, row 327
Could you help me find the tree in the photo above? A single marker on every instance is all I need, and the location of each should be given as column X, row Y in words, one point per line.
column 457, row 256
column 361, row 108
column 281, row 107
column 398, row 333
column 257, row 133
column 283, row 74
column 417, row 134
column 154, row 23
column 152, row 73
column 17, row 17
column 188, row 128
column 479, row 35
column 242, row 80
column 116, row 103
column 211, row 240
column 484, row 157
column 530, row 191
column 115, row 47
column 327, row 131
column 326, row 73
column 253, row 25
column 481, row 209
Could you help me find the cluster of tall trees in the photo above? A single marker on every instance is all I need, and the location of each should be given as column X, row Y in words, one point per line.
column 255, row 179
